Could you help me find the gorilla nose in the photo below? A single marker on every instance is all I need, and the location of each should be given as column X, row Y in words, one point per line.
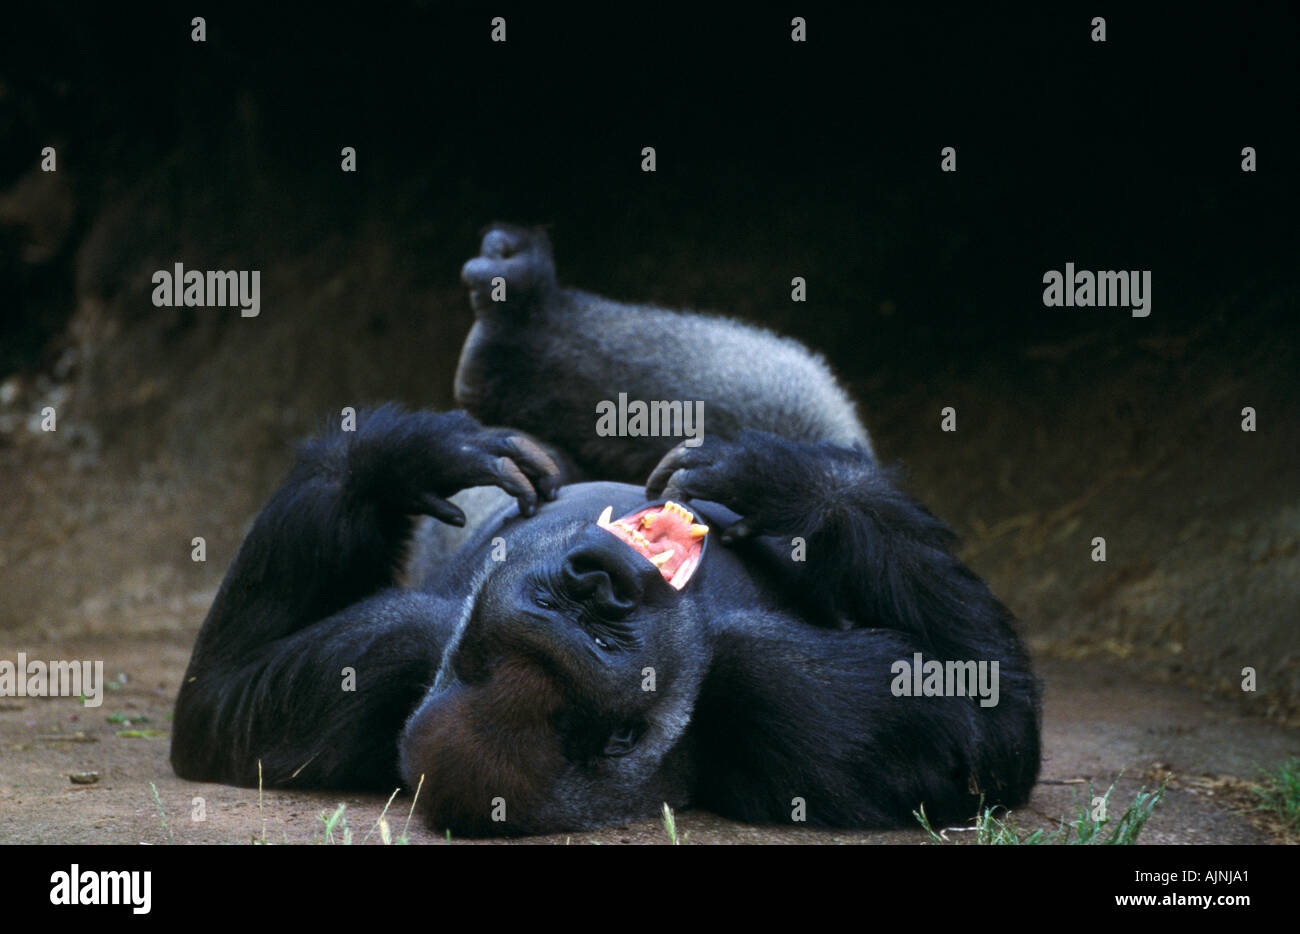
column 607, row 576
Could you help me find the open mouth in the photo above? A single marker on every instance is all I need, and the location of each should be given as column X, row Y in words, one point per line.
column 666, row 535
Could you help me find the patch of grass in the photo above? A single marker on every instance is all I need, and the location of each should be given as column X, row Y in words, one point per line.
column 336, row 830
column 1124, row 831
column 382, row 825
column 670, row 826
column 1087, row 829
column 404, row 839
column 988, row 829
column 336, row 822
column 1279, row 792
column 162, row 814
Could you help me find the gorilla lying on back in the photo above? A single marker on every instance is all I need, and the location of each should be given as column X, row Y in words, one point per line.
column 543, row 674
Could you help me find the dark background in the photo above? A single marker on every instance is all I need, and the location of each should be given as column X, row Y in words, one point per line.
column 1112, row 155
column 775, row 159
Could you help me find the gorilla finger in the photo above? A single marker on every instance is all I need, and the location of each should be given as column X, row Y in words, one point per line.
column 679, row 488
column 710, row 481
column 426, row 504
column 536, row 464
column 676, row 460
column 510, row 478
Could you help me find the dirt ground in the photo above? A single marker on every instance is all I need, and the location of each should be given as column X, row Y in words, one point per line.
column 1098, row 723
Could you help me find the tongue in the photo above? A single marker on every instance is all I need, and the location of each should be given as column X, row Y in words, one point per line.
column 667, row 536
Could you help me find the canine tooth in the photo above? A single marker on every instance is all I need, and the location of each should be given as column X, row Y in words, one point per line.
column 661, row 559
column 605, row 516
column 699, row 531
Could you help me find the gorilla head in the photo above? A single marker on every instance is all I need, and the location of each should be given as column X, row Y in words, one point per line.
column 567, row 691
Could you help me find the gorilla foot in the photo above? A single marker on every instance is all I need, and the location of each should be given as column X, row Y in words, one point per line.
column 514, row 269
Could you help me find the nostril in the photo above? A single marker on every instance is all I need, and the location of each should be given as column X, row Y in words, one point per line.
column 582, row 584
column 605, row 590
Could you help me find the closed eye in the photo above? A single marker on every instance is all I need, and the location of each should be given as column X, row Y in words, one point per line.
column 604, row 634
column 609, row 635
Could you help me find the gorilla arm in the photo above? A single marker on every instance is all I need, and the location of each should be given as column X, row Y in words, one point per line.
column 791, row 709
column 311, row 594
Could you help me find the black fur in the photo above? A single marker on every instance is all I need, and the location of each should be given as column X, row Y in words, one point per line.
column 547, row 348
column 513, row 676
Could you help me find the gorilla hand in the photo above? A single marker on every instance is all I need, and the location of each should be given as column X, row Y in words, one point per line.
column 430, row 456
column 777, row 486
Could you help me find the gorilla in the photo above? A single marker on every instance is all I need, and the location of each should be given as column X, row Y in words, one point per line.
column 530, row 664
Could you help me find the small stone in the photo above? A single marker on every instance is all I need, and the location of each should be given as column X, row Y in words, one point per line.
column 83, row 778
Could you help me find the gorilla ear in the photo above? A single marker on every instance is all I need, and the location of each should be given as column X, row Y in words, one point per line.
column 623, row 740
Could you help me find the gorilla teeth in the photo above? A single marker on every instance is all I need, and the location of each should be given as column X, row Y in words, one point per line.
column 672, row 544
column 679, row 510
column 683, row 575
